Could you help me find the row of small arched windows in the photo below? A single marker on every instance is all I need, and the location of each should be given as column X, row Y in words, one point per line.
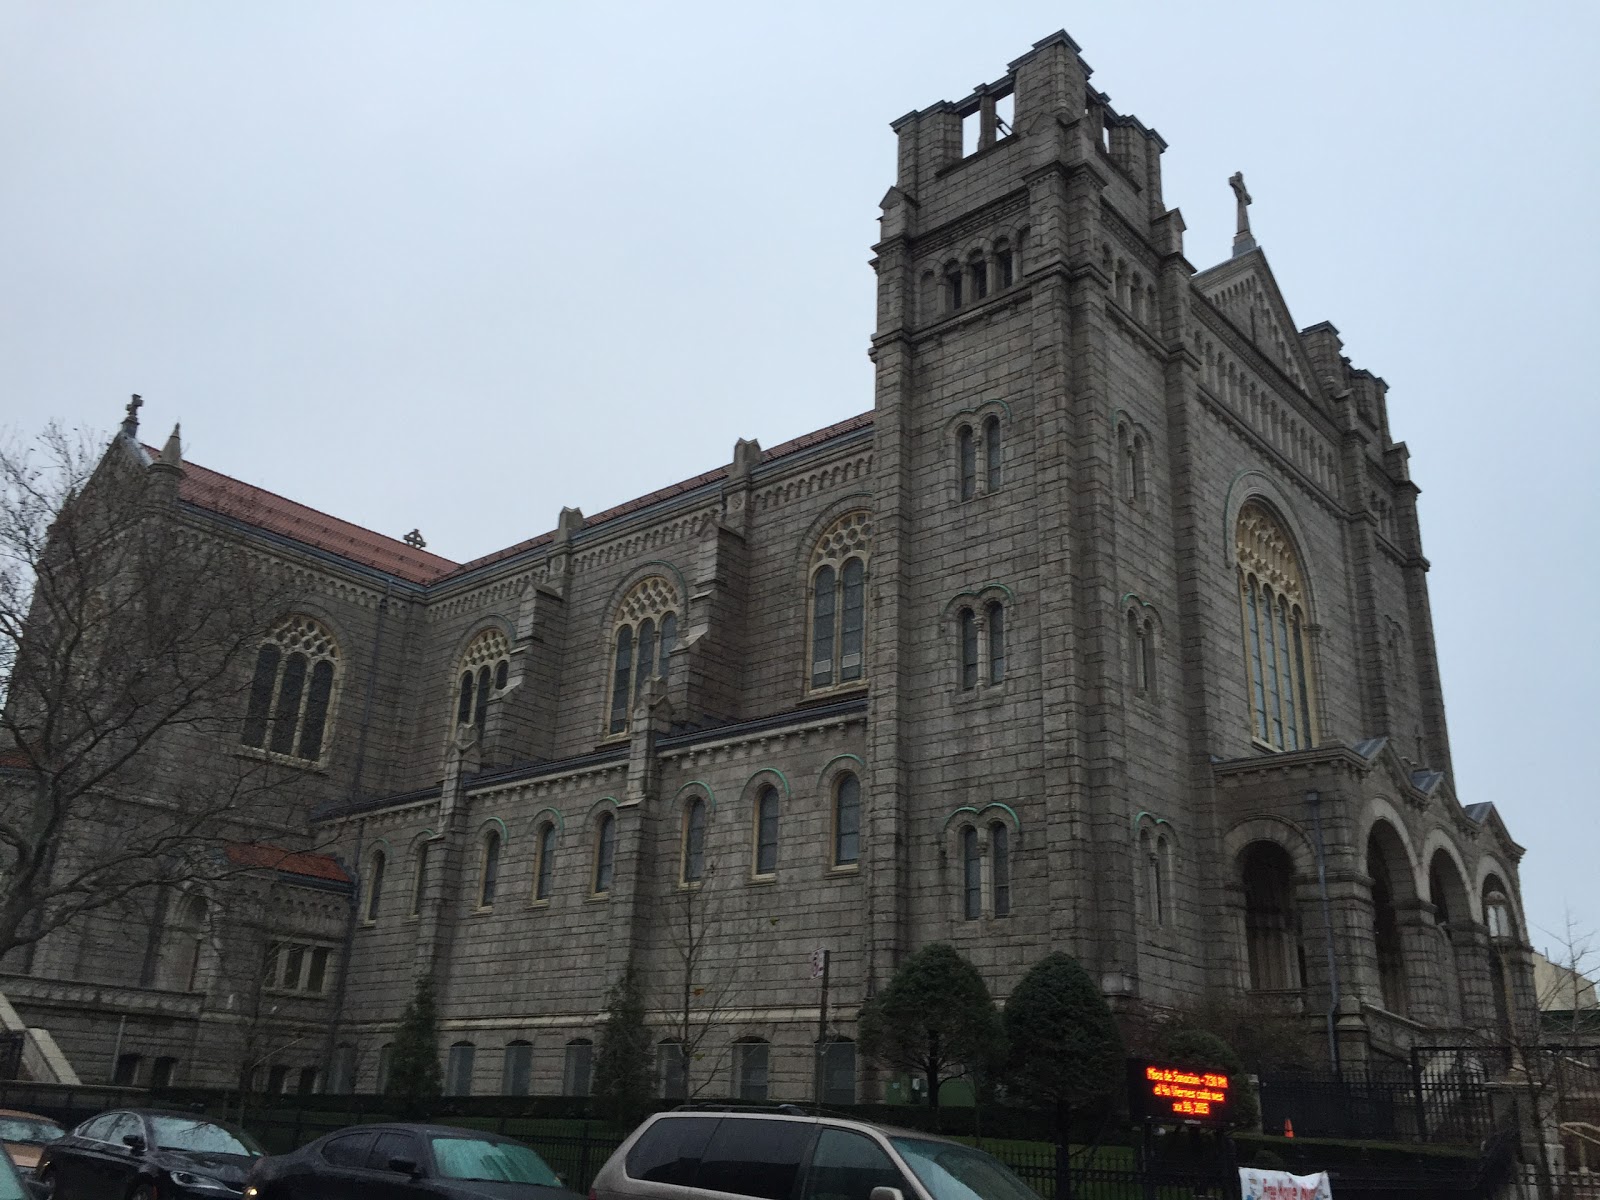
column 844, row 840
column 967, row 282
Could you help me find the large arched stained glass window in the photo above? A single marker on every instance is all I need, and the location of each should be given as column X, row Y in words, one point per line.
column 293, row 691
column 645, row 633
column 1276, row 626
column 837, row 602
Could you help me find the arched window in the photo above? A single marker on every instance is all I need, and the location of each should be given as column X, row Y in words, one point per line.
column 967, row 461
column 750, row 1070
column 385, row 1058
column 516, row 1074
column 380, row 860
column 1382, row 846
column 577, row 1069
column 185, row 943
column 978, row 275
column 1125, row 461
column 485, row 669
column 419, row 879
column 1157, row 856
column 1497, row 911
column 1498, row 917
column 992, row 474
column 546, row 851
column 1272, row 600
column 489, row 872
column 292, row 690
column 694, row 842
column 1141, row 653
column 952, row 285
column 838, row 602
column 766, row 831
column 1004, row 265
column 605, row 852
column 969, row 650
column 995, row 616
column 971, row 875
column 646, row 632
column 1138, row 468
column 672, row 1078
column 458, row 1069
column 846, row 820
column 1000, row 868
column 1270, row 922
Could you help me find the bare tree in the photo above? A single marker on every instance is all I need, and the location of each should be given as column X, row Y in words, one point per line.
column 127, row 626
column 699, row 998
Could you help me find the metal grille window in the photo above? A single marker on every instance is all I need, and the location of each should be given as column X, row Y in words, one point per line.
column 458, row 1069
column 605, row 851
column 1000, row 868
column 516, row 1074
column 577, row 1069
column 489, row 873
column 542, row 869
column 971, row 875
column 750, row 1071
column 694, row 842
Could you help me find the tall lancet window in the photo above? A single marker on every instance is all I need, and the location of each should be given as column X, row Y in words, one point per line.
column 1276, row 625
column 485, row 669
column 644, row 633
column 293, row 690
column 837, row 610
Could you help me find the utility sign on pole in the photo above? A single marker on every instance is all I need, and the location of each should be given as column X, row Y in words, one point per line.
column 819, row 963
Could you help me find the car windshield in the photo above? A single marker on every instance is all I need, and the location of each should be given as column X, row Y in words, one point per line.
column 30, row 1130
column 479, row 1158
column 952, row 1172
column 11, row 1187
column 201, row 1137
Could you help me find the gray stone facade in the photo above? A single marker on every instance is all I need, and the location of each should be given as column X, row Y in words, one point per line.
column 1127, row 417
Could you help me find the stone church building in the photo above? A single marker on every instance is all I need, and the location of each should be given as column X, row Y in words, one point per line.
column 1105, row 630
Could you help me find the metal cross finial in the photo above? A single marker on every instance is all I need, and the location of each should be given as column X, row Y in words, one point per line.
column 1242, row 241
column 414, row 539
column 130, row 423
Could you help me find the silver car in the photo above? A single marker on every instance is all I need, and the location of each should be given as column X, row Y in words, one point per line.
column 709, row 1154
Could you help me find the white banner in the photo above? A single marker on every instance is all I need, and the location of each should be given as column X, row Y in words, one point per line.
column 1255, row 1184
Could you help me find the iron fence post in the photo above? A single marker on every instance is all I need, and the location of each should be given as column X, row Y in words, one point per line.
column 583, row 1158
column 1416, row 1088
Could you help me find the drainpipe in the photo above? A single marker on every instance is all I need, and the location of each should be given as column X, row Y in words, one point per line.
column 1314, row 799
column 353, row 916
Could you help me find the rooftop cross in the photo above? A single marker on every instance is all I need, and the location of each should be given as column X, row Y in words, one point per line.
column 130, row 423
column 1242, row 241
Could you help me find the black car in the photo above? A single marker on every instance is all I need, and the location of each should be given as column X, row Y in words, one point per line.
column 397, row 1162
column 129, row 1154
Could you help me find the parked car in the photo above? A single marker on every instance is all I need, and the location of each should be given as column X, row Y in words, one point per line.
column 772, row 1155
column 381, row 1162
column 133, row 1154
column 12, row 1185
column 25, row 1135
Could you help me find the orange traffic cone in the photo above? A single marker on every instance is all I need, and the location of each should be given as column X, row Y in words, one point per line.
column 1288, row 1127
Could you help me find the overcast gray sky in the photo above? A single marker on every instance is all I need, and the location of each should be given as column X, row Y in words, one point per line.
column 455, row 265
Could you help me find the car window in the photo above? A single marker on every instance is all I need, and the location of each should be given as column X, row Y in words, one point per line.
column 29, row 1130
column 498, row 1162
column 349, row 1150
column 393, row 1144
column 202, row 1137
column 11, row 1186
column 96, row 1129
column 755, row 1158
column 847, row 1166
column 123, row 1125
column 952, row 1172
column 669, row 1150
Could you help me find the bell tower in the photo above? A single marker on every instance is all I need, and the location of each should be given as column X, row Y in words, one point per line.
column 1025, row 218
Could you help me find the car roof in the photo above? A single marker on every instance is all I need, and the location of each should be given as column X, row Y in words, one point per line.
column 752, row 1114
column 425, row 1128
column 17, row 1112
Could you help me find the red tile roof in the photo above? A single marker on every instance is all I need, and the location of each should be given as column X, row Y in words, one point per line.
column 290, row 862
column 220, row 493
column 212, row 490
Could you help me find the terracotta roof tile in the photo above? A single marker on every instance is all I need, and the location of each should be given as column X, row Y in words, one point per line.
column 220, row 493
column 290, row 862
column 804, row 442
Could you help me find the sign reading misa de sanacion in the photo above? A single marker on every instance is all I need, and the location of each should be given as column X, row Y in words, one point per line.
column 1169, row 1094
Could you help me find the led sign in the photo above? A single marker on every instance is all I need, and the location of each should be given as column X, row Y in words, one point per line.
column 1166, row 1093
